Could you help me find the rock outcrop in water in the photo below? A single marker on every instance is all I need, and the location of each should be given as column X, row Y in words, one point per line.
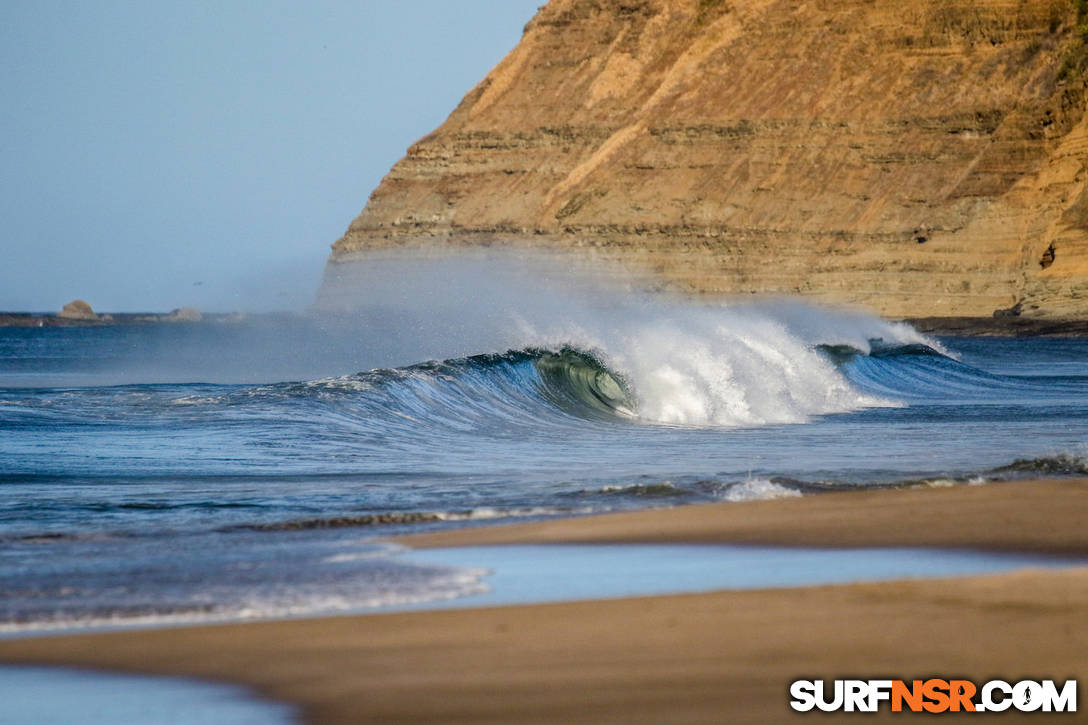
column 77, row 310
column 923, row 158
column 184, row 314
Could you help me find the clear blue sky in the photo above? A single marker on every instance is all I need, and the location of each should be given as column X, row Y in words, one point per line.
column 156, row 154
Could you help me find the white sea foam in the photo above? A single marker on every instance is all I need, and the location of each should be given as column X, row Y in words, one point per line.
column 198, row 400
column 486, row 513
column 759, row 489
column 454, row 583
column 726, row 365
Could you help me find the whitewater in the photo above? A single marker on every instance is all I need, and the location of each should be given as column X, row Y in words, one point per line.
column 246, row 469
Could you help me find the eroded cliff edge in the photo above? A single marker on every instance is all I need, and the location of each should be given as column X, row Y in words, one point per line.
column 922, row 158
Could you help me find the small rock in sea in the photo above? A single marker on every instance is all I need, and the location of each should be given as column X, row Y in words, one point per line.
column 78, row 310
column 186, row 314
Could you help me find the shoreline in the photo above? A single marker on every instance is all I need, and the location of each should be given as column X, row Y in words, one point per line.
column 119, row 319
column 1006, row 326
column 1040, row 516
column 723, row 656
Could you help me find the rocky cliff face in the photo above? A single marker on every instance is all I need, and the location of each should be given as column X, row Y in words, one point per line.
column 920, row 158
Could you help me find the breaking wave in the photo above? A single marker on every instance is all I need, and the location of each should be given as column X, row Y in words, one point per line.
column 740, row 366
column 737, row 366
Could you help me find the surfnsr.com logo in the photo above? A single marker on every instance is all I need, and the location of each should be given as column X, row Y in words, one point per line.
column 933, row 696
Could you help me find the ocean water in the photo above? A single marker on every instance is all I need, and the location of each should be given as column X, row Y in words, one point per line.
column 608, row 571
column 36, row 695
column 232, row 470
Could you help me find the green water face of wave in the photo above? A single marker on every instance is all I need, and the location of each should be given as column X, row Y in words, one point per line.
column 575, row 379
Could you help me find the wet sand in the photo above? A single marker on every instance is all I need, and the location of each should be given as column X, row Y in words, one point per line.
column 1046, row 516
column 702, row 658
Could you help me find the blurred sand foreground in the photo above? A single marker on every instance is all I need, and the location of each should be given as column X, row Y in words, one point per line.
column 703, row 658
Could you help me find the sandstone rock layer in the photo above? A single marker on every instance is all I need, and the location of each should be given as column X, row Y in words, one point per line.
column 922, row 158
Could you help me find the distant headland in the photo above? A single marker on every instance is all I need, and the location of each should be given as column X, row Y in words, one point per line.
column 78, row 313
column 922, row 159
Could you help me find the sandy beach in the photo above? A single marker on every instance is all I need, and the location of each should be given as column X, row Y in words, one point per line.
column 718, row 657
column 1040, row 516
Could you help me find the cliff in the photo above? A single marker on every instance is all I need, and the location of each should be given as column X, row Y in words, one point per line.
column 922, row 158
